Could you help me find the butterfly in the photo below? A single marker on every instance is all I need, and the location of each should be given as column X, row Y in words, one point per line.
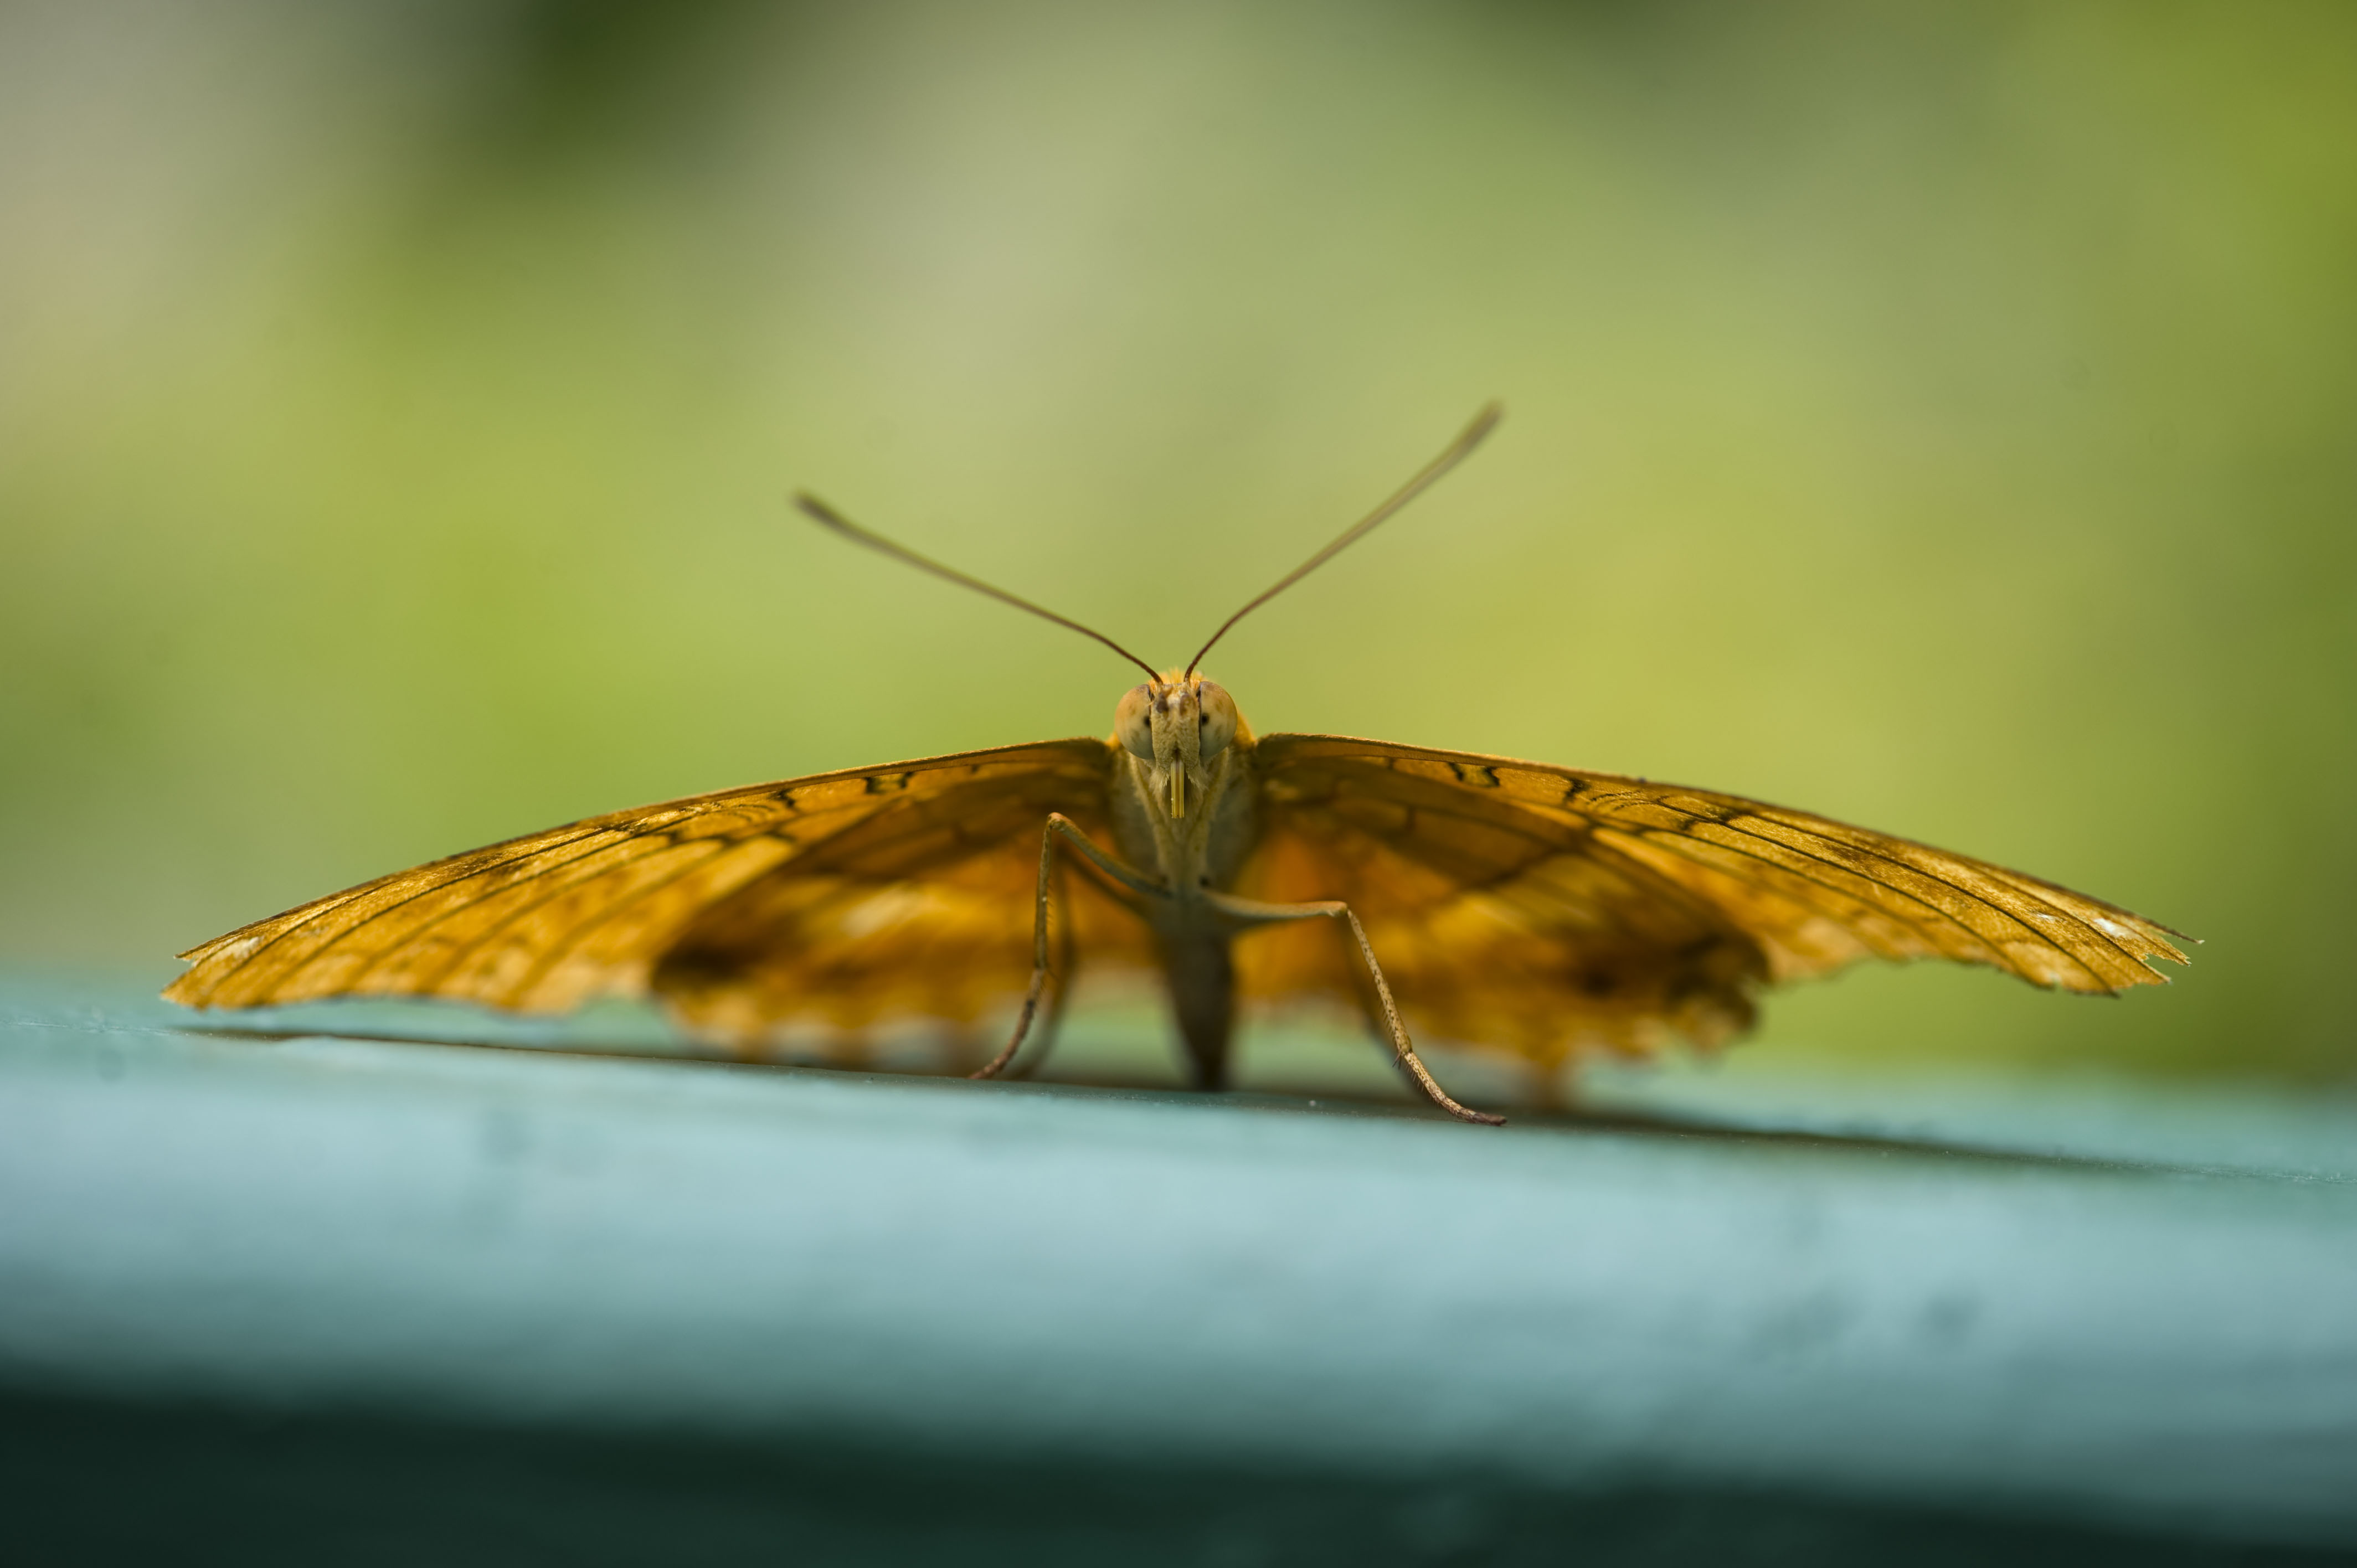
column 1536, row 910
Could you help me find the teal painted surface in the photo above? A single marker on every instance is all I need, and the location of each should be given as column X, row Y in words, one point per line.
column 1955, row 1309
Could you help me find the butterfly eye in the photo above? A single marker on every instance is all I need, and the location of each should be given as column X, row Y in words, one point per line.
column 1215, row 720
column 1133, row 723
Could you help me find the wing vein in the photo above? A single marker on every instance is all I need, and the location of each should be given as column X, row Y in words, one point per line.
column 549, row 886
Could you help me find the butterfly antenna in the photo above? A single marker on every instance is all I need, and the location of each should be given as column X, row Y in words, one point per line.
column 820, row 512
column 1456, row 452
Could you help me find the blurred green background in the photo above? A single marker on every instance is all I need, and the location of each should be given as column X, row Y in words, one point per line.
column 1943, row 417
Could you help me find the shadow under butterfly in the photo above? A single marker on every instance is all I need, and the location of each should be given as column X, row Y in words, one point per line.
column 1534, row 911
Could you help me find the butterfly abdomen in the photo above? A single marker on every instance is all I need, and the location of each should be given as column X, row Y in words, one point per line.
column 1199, row 964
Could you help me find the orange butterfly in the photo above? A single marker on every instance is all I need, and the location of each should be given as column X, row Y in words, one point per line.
column 1533, row 909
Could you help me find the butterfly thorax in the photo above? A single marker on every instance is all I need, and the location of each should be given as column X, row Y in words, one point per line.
column 1206, row 847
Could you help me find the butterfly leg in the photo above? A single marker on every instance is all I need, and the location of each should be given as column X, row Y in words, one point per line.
column 1060, row 1000
column 1128, row 884
column 1252, row 912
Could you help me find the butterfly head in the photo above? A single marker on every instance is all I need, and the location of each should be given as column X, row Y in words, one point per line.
column 1177, row 724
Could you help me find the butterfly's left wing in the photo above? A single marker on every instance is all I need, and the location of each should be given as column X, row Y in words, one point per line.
column 1540, row 909
column 848, row 897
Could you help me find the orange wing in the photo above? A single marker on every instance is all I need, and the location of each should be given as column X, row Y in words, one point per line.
column 904, row 889
column 1542, row 909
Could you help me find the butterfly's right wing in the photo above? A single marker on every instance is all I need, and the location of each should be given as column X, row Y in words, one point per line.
column 845, row 897
column 1540, row 909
